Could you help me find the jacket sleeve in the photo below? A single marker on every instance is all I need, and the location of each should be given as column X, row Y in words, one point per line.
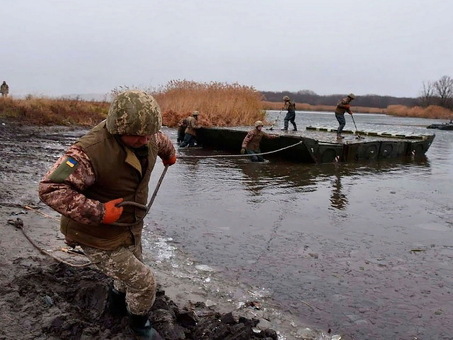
column 343, row 104
column 193, row 123
column 247, row 139
column 266, row 135
column 63, row 185
column 166, row 150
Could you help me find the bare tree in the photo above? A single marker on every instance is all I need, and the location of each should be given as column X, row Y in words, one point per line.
column 427, row 95
column 444, row 90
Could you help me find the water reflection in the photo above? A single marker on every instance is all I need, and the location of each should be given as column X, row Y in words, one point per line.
column 338, row 199
column 337, row 236
column 289, row 178
column 279, row 176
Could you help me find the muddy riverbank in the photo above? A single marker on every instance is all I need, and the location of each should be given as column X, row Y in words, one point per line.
column 44, row 299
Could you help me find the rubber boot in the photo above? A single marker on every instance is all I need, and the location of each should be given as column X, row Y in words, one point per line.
column 117, row 302
column 141, row 326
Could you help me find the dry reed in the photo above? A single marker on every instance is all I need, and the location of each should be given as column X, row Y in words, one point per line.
column 219, row 104
column 46, row 111
column 432, row 111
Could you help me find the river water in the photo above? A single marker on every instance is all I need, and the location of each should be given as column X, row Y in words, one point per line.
column 364, row 249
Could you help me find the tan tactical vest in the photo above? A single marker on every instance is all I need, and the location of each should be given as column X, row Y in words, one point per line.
column 118, row 174
column 191, row 126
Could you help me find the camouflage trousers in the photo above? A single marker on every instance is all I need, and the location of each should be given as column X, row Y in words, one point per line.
column 129, row 273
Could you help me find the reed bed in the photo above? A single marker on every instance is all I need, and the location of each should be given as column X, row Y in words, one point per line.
column 46, row 111
column 432, row 111
column 219, row 104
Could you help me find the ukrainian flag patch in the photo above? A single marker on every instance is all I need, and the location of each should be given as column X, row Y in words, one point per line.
column 64, row 170
column 71, row 162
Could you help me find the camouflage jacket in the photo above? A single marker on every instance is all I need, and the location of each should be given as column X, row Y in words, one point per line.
column 192, row 125
column 4, row 88
column 343, row 106
column 290, row 106
column 77, row 186
column 253, row 139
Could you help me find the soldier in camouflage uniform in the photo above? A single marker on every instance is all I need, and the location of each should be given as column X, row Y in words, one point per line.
column 190, row 136
column 4, row 89
column 182, row 126
column 112, row 163
column 251, row 142
column 342, row 107
column 290, row 106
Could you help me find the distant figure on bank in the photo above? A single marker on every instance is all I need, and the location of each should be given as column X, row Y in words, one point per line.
column 251, row 142
column 4, row 89
column 291, row 115
column 342, row 107
column 182, row 125
column 190, row 137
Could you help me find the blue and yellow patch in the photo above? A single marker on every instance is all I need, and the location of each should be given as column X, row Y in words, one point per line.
column 64, row 170
column 71, row 162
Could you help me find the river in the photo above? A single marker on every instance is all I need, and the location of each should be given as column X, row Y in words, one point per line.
column 364, row 249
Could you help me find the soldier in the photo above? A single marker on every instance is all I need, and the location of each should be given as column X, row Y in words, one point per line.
column 4, row 89
column 342, row 107
column 182, row 126
column 112, row 163
column 291, row 115
column 251, row 142
column 190, row 136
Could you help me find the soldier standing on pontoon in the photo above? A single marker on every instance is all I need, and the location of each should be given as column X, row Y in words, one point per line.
column 342, row 107
column 291, row 115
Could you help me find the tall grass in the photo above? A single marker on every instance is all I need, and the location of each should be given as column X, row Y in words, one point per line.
column 46, row 111
column 432, row 111
column 219, row 104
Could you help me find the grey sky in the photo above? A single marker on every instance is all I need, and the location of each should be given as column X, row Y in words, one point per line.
column 385, row 47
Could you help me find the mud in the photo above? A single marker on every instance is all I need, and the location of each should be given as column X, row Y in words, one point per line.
column 41, row 298
column 62, row 302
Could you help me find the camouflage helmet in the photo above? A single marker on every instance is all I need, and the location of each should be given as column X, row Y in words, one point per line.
column 195, row 113
column 286, row 98
column 134, row 112
column 259, row 123
column 351, row 95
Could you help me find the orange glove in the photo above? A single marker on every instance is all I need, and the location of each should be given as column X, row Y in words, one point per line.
column 169, row 161
column 112, row 212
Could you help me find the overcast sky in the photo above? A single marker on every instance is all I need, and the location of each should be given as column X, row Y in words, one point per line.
column 384, row 47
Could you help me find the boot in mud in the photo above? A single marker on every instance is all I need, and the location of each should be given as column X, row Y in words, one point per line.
column 117, row 302
column 141, row 326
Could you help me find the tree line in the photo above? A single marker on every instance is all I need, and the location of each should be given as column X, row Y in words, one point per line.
column 312, row 98
column 438, row 93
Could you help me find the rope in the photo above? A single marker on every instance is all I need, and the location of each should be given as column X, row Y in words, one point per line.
column 242, row 156
column 19, row 224
column 40, row 212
